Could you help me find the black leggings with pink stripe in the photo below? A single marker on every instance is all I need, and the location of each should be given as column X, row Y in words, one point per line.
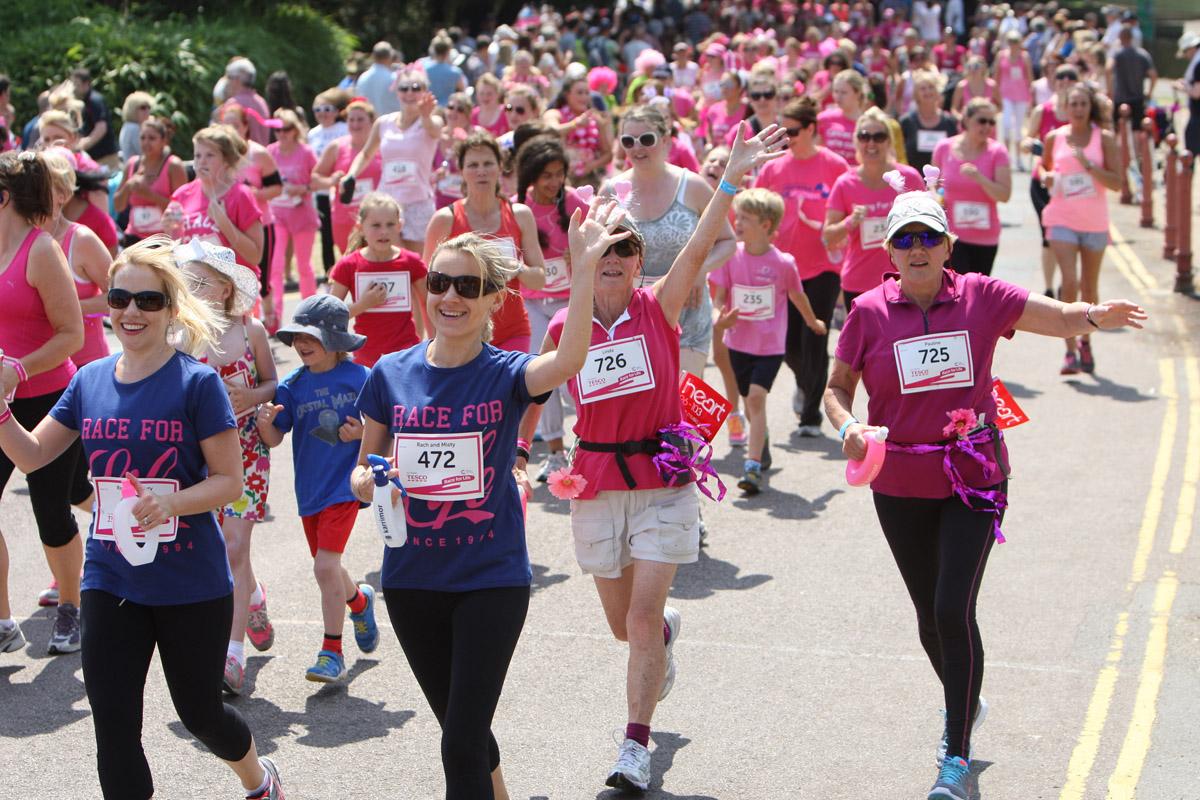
column 941, row 548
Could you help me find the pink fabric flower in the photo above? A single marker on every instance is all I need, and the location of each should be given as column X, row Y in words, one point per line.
column 565, row 485
column 962, row 422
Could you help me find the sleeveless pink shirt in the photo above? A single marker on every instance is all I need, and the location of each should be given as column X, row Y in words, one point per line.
column 24, row 327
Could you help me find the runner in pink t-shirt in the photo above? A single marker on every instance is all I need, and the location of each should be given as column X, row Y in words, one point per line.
column 296, row 220
column 836, row 125
column 719, row 118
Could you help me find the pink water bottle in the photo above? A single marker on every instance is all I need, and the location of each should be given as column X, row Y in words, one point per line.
column 860, row 473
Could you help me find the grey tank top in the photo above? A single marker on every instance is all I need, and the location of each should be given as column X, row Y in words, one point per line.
column 666, row 235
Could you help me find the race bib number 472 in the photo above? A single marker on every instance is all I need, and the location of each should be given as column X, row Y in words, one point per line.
column 936, row 361
column 441, row 466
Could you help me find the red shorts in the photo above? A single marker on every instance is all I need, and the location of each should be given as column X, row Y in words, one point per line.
column 329, row 529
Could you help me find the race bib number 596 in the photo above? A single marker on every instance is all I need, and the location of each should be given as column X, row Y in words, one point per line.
column 935, row 361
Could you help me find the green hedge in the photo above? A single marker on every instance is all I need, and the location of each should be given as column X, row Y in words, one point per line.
column 177, row 59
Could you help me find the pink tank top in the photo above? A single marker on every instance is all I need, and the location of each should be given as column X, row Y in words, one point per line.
column 367, row 181
column 252, row 176
column 94, row 344
column 497, row 129
column 24, row 327
column 1013, row 84
column 1077, row 201
column 407, row 160
column 145, row 216
column 968, row 94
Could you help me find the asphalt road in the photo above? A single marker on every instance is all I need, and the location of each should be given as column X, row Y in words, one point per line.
column 800, row 673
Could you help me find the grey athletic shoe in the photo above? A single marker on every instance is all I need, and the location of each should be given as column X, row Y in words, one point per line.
column 632, row 770
column 673, row 622
column 274, row 790
column 11, row 639
column 65, row 637
column 981, row 710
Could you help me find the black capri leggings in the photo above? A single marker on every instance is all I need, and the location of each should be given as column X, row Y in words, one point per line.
column 119, row 638
column 807, row 354
column 50, row 486
column 968, row 257
column 459, row 645
column 941, row 547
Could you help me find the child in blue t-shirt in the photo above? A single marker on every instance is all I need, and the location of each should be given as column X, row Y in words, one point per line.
column 318, row 402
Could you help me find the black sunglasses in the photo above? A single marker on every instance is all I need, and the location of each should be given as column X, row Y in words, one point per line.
column 515, row 109
column 928, row 239
column 985, row 120
column 769, row 94
column 410, row 87
column 794, row 132
column 879, row 137
column 648, row 139
column 624, row 248
column 468, row 286
column 145, row 301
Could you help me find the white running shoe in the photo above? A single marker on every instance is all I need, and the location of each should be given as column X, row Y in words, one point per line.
column 674, row 622
column 632, row 770
column 797, row 401
column 981, row 711
column 810, row 432
column 554, row 462
column 11, row 639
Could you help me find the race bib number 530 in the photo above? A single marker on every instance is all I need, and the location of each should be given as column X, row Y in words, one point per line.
column 936, row 361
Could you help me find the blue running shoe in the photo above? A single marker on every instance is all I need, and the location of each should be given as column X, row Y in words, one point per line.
column 330, row 668
column 366, row 632
column 952, row 780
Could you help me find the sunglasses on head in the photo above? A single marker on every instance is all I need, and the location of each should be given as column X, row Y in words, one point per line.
column 405, row 88
column 324, row 109
column 468, row 286
column 769, row 94
column 515, row 109
column 879, row 137
column 624, row 248
column 928, row 239
column 648, row 139
column 145, row 301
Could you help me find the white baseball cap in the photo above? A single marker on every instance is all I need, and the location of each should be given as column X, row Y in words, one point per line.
column 1187, row 42
column 920, row 207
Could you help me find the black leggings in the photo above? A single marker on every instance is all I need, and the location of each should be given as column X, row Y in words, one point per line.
column 1040, row 198
column 941, row 548
column 324, row 211
column 807, row 354
column 969, row 257
column 50, row 486
column 264, row 264
column 119, row 638
column 459, row 645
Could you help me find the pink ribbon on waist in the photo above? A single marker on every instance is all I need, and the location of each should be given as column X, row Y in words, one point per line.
column 673, row 462
column 995, row 500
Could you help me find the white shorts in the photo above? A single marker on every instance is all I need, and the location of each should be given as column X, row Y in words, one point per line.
column 617, row 527
column 1012, row 118
column 416, row 220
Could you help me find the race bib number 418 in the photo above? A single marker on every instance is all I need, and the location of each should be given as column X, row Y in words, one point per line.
column 935, row 361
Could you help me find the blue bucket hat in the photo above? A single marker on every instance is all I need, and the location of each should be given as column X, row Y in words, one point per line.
column 326, row 318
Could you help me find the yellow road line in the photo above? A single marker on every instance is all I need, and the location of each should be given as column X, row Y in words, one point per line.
column 1122, row 785
column 1125, row 270
column 1158, row 478
column 1185, row 512
column 1084, row 755
column 1135, row 263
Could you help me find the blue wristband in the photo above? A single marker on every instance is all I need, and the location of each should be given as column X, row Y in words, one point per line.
column 845, row 425
column 727, row 187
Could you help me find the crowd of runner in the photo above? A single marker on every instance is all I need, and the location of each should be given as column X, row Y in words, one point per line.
column 560, row 216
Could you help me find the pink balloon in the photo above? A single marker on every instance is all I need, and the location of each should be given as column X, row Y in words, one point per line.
column 585, row 194
column 860, row 473
column 622, row 190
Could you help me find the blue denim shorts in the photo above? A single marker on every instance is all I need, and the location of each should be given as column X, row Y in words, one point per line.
column 1085, row 239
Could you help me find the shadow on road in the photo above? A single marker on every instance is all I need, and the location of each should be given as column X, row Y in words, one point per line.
column 788, row 506
column 1103, row 387
column 542, row 579
column 331, row 717
column 711, row 575
column 1021, row 391
column 666, row 746
column 977, row 768
column 43, row 705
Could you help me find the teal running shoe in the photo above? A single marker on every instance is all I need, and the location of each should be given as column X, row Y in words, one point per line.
column 366, row 632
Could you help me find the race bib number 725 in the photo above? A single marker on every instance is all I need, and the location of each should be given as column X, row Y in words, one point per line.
column 935, row 361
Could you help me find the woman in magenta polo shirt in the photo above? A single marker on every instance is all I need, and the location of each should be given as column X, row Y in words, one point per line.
column 922, row 345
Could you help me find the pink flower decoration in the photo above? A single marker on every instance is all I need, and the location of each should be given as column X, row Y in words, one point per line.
column 894, row 179
column 962, row 422
column 622, row 189
column 932, row 174
column 585, row 193
column 565, row 485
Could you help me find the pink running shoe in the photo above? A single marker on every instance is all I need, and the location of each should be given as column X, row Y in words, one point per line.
column 258, row 625
column 49, row 596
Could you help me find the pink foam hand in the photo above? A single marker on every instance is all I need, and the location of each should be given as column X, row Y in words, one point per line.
column 584, row 193
column 932, row 174
column 622, row 190
column 894, row 179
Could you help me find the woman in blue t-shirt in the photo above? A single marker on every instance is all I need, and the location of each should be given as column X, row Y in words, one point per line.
column 155, row 421
column 446, row 412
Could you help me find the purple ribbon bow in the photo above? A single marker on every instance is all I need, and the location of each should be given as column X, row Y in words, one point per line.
column 672, row 461
column 996, row 501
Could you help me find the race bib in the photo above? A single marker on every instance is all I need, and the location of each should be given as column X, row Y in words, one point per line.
column 558, row 279
column 614, row 369
column 108, row 494
column 1078, row 184
column 362, row 188
column 928, row 140
column 1016, row 73
column 450, row 185
column 754, row 303
column 968, row 214
column 936, row 361
column 400, row 171
column 441, row 466
column 146, row 217
column 399, row 290
column 712, row 90
column 241, row 378
column 871, row 232
column 286, row 200
column 508, row 248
